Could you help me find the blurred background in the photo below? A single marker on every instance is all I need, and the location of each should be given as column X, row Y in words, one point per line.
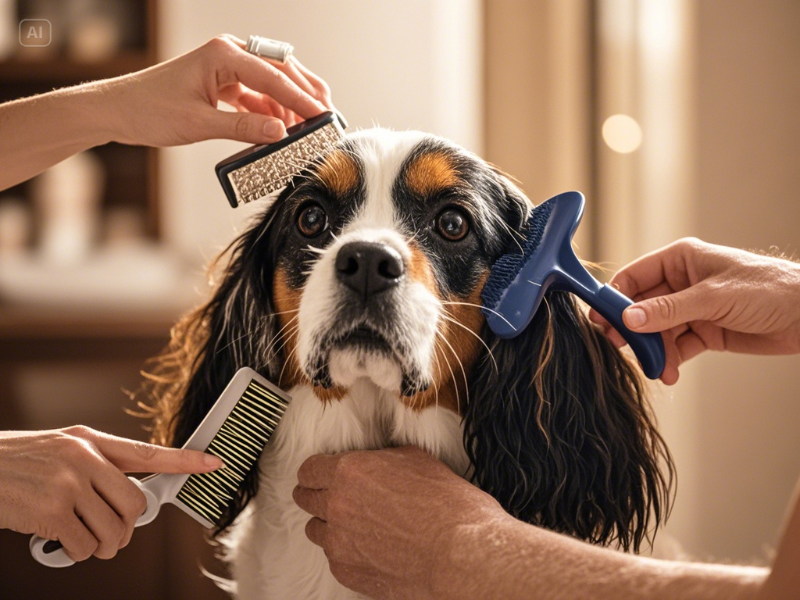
column 675, row 117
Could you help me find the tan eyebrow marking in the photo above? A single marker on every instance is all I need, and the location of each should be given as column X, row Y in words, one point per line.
column 431, row 172
column 339, row 173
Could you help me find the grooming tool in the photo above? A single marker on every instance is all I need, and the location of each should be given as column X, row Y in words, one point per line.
column 236, row 429
column 259, row 171
column 267, row 48
column 517, row 282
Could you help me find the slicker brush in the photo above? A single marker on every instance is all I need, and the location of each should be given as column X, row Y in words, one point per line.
column 262, row 171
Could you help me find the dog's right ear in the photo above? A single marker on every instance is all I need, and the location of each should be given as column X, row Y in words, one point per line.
column 234, row 329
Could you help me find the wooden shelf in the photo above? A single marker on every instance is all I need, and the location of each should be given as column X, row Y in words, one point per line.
column 62, row 69
column 29, row 323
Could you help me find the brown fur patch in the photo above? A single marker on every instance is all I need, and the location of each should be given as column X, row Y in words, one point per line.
column 430, row 173
column 339, row 173
column 456, row 345
column 287, row 304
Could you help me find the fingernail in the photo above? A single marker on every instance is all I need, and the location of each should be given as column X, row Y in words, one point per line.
column 213, row 461
column 635, row 317
column 274, row 130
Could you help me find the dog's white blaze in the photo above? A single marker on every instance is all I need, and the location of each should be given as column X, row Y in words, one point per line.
column 271, row 555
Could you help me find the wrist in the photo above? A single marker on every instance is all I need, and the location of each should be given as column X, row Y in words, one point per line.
column 471, row 556
column 92, row 108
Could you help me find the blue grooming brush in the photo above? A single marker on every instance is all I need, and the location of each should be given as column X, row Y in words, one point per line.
column 518, row 282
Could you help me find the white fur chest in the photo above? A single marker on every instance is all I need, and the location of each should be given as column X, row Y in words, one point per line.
column 270, row 554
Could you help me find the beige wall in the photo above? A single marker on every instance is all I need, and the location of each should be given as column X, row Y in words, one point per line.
column 748, row 196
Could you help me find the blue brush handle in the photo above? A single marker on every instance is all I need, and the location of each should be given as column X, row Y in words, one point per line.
column 648, row 347
column 609, row 302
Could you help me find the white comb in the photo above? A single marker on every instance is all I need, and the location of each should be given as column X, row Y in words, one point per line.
column 236, row 429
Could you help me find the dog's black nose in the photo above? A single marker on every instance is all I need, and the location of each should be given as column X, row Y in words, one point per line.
column 368, row 267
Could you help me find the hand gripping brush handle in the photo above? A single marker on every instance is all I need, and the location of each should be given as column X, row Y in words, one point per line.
column 236, row 429
column 518, row 281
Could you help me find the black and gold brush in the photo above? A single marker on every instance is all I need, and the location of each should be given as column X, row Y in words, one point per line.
column 236, row 429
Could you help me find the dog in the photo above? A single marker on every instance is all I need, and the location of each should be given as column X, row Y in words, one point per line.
column 358, row 290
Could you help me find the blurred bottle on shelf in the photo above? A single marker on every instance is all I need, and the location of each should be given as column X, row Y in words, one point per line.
column 67, row 199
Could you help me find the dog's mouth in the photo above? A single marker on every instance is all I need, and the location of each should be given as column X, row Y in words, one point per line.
column 366, row 338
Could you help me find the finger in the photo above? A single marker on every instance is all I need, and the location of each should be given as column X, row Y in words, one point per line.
column 123, row 496
column 250, row 127
column 317, row 472
column 261, row 76
column 104, row 524
column 77, row 540
column 642, row 274
column 665, row 312
column 291, row 70
column 663, row 289
column 263, row 104
column 314, row 502
column 139, row 457
column 317, row 82
column 317, row 531
column 690, row 345
column 672, row 360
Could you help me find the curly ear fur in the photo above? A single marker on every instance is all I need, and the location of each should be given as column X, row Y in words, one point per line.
column 561, row 432
column 234, row 329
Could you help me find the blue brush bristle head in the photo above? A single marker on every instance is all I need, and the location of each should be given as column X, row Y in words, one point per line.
column 508, row 266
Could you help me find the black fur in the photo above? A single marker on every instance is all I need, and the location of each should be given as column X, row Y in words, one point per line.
column 559, row 433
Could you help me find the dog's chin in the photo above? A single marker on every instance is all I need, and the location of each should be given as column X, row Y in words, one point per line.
column 365, row 354
column 349, row 363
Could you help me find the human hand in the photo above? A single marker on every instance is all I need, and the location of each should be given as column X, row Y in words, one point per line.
column 175, row 102
column 67, row 485
column 386, row 519
column 707, row 297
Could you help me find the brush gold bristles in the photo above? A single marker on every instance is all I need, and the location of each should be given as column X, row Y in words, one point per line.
column 239, row 443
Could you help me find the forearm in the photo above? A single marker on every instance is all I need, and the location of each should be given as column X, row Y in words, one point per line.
column 40, row 131
column 508, row 559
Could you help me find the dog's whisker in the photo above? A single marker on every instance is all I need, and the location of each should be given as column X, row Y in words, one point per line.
column 452, row 374
column 463, row 370
column 284, row 312
column 449, row 317
column 476, row 306
column 279, row 336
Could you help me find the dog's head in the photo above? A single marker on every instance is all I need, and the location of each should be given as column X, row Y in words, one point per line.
column 370, row 266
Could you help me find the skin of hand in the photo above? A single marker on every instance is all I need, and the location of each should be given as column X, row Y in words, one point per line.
column 397, row 524
column 707, row 297
column 67, row 485
column 169, row 104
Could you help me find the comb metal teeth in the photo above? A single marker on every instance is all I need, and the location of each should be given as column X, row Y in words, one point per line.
column 239, row 443
column 273, row 172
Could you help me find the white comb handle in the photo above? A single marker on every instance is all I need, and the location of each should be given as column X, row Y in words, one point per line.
column 51, row 553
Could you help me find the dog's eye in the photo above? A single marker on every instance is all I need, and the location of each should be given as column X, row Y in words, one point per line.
column 452, row 224
column 312, row 220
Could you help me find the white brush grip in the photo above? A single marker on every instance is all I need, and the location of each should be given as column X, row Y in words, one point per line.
column 51, row 553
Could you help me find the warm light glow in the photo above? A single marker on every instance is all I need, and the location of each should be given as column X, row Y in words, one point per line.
column 622, row 133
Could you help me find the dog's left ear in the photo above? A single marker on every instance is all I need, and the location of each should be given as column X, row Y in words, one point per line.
column 559, row 430
column 234, row 329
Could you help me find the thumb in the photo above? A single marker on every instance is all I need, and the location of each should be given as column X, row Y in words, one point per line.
column 132, row 456
column 665, row 312
column 252, row 128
